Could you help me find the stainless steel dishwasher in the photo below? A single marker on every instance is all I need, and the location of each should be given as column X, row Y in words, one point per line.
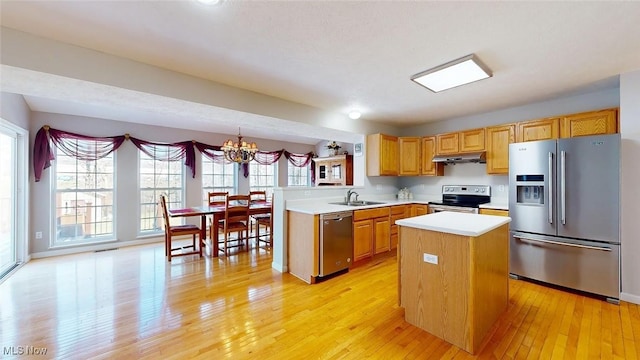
column 336, row 242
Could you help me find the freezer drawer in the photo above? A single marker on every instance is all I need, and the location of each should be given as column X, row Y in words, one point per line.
column 582, row 265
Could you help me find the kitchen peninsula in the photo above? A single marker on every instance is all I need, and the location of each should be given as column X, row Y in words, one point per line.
column 453, row 274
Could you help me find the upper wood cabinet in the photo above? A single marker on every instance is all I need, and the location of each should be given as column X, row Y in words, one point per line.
column 498, row 140
column 472, row 140
column 460, row 142
column 409, row 156
column 447, row 143
column 428, row 151
column 544, row 129
column 589, row 123
column 382, row 155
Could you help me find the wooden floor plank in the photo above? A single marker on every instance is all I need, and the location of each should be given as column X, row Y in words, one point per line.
column 131, row 303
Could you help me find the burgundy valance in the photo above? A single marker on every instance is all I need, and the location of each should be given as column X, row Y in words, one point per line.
column 81, row 147
column 93, row 148
column 169, row 152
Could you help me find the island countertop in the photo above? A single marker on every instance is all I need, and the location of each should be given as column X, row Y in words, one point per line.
column 456, row 223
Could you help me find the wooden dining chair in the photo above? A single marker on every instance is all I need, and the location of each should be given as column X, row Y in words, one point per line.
column 216, row 198
column 256, row 196
column 267, row 221
column 178, row 230
column 236, row 219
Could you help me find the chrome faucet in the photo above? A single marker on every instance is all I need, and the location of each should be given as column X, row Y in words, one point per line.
column 349, row 193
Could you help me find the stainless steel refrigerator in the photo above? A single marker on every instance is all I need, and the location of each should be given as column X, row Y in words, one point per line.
column 564, row 198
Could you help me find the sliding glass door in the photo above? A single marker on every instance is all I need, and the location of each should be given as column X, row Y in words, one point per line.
column 8, row 201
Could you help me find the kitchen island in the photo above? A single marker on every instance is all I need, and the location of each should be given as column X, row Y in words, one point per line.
column 453, row 274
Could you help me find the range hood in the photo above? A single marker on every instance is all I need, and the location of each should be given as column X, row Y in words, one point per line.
column 478, row 157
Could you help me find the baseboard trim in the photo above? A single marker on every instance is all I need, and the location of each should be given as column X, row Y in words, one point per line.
column 96, row 247
column 630, row 298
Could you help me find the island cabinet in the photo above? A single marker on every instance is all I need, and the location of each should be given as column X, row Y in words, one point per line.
column 371, row 232
column 544, row 129
column 589, row 123
column 382, row 155
column 303, row 243
column 428, row 167
column 409, row 159
column 498, row 140
column 453, row 275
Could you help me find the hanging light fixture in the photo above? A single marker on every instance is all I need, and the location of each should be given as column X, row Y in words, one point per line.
column 241, row 151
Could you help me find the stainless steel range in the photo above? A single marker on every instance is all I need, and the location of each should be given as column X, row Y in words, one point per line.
column 461, row 198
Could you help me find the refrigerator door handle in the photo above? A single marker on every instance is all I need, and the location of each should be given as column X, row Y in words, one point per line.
column 526, row 239
column 550, row 192
column 563, row 187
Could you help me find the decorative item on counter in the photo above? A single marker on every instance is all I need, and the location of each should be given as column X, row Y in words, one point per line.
column 333, row 148
column 404, row 194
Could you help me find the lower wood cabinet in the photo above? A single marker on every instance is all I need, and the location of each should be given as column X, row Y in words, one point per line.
column 419, row 209
column 398, row 212
column 371, row 232
column 497, row 212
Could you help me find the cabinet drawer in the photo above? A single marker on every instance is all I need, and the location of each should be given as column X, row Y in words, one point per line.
column 397, row 210
column 370, row 213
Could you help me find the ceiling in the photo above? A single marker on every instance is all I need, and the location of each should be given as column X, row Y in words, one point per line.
column 341, row 55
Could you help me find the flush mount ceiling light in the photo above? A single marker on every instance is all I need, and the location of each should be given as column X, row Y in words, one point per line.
column 354, row 114
column 454, row 73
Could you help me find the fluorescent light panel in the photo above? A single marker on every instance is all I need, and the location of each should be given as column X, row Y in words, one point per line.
column 455, row 73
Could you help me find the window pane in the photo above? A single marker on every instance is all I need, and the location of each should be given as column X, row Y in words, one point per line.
column 261, row 177
column 84, row 201
column 159, row 177
column 297, row 176
column 217, row 177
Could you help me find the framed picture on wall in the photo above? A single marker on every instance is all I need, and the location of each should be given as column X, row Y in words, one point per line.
column 357, row 149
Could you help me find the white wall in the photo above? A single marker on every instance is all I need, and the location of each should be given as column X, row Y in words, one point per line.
column 126, row 174
column 630, row 196
column 14, row 109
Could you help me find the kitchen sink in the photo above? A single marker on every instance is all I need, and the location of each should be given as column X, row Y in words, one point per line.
column 357, row 203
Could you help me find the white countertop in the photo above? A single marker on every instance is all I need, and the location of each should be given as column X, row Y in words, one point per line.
column 456, row 223
column 323, row 206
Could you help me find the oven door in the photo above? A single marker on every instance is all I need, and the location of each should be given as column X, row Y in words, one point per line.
column 462, row 209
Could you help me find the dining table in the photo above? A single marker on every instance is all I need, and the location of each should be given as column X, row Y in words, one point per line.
column 217, row 212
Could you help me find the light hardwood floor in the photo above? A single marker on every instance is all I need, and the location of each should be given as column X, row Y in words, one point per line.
column 131, row 304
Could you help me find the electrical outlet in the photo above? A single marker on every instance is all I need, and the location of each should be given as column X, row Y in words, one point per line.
column 38, row 234
column 429, row 258
column 500, row 188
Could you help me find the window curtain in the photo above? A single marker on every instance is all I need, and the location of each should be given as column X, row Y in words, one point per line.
column 302, row 160
column 212, row 152
column 169, row 152
column 79, row 146
column 263, row 158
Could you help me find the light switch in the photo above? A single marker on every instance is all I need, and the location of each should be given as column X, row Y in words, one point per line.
column 429, row 258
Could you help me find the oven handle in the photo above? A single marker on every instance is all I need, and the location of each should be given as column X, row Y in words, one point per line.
column 528, row 239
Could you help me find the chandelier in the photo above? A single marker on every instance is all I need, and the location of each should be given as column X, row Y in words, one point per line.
column 241, row 151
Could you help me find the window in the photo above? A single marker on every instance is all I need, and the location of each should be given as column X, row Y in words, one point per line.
column 84, row 203
column 159, row 177
column 297, row 176
column 217, row 177
column 262, row 177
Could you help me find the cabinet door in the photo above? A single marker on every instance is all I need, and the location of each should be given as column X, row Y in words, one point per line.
column 447, row 144
column 419, row 209
column 381, row 234
column 409, row 156
column 496, row 212
column 362, row 239
column 337, row 172
column 472, row 140
column 590, row 123
column 498, row 140
column 389, row 155
column 545, row 129
column 428, row 151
